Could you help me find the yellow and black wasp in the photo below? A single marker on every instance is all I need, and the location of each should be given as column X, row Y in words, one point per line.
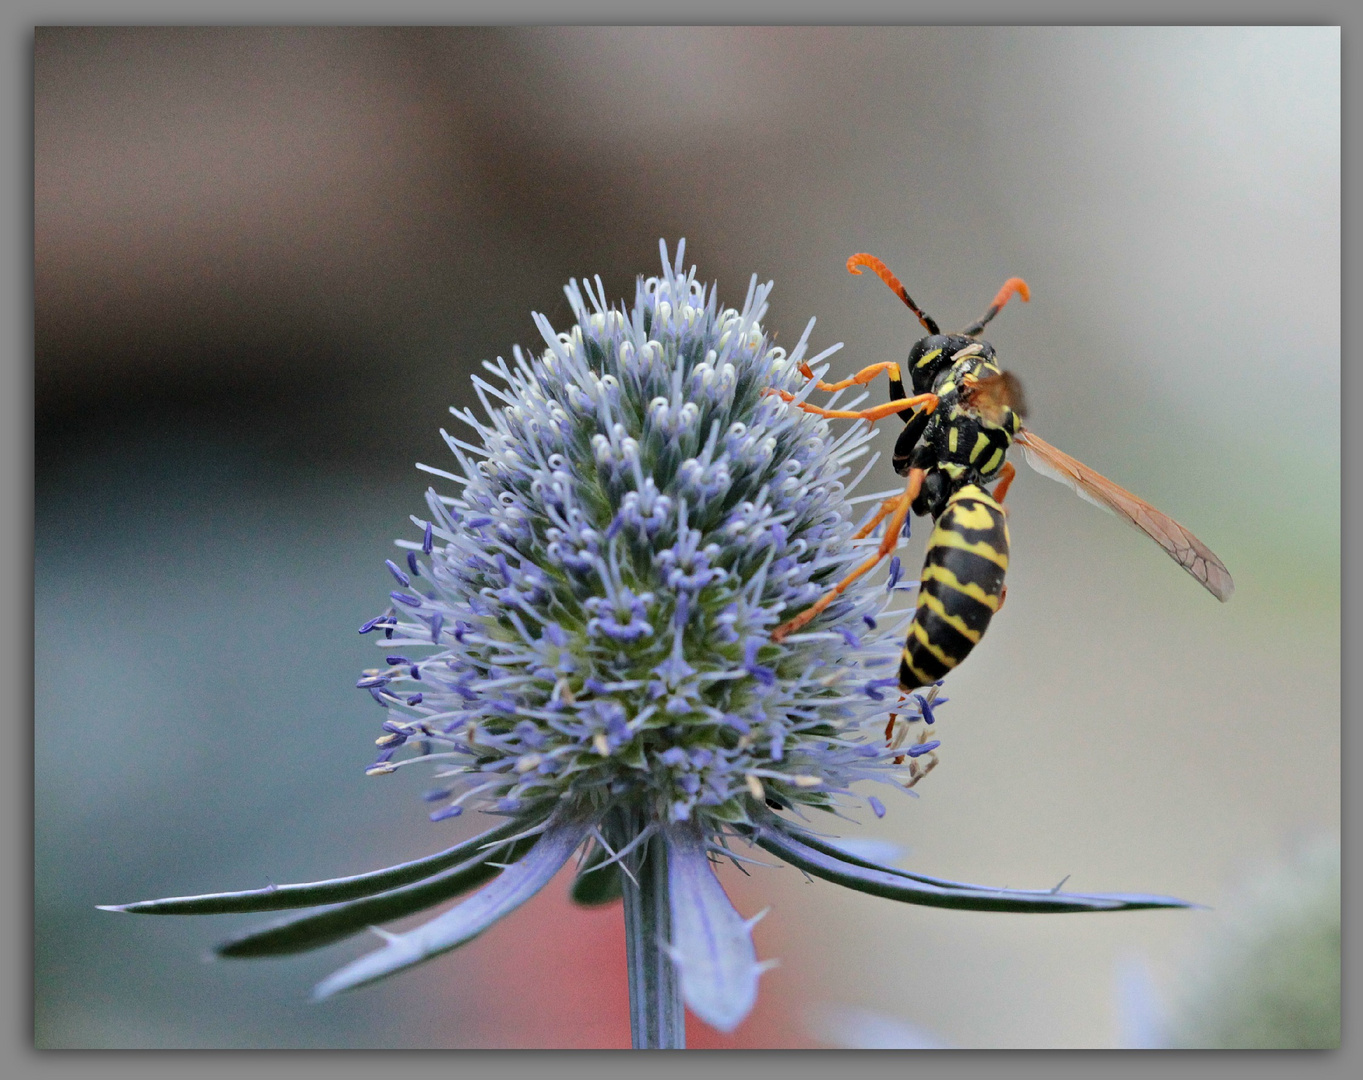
column 962, row 417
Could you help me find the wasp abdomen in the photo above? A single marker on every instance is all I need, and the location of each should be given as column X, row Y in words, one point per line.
column 961, row 586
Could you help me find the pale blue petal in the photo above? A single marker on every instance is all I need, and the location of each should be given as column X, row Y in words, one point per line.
column 711, row 943
column 517, row 884
column 852, row 1028
column 867, row 849
column 1140, row 1013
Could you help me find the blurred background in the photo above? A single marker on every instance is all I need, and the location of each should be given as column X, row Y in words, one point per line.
column 267, row 261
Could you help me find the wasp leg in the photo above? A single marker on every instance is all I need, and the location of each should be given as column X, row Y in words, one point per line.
column 886, row 509
column 915, row 424
column 1011, row 286
column 888, row 543
column 861, row 378
column 927, row 402
column 1006, row 475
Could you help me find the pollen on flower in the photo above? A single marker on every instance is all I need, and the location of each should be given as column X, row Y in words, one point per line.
column 635, row 513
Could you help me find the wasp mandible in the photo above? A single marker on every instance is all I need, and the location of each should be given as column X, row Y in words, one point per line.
column 963, row 415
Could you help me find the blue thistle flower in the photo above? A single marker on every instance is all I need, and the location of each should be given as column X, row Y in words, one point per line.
column 581, row 643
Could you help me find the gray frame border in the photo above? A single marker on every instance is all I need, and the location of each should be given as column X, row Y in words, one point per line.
column 16, row 472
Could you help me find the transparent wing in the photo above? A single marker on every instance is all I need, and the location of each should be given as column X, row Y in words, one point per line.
column 993, row 394
column 1181, row 545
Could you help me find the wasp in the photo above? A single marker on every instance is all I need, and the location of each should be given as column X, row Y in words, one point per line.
column 962, row 417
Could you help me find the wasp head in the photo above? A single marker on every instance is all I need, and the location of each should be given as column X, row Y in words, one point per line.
column 936, row 354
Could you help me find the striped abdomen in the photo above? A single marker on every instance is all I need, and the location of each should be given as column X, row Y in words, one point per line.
column 962, row 586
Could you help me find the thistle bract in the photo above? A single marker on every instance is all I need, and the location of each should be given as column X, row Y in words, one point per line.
column 580, row 643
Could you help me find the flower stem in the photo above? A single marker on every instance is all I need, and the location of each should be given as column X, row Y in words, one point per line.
column 656, row 1015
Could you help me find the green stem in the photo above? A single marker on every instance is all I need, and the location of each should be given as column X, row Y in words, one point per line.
column 656, row 1016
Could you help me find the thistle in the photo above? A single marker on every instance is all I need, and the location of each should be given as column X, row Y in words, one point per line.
column 580, row 644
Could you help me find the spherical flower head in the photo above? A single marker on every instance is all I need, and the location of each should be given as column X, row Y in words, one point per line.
column 588, row 615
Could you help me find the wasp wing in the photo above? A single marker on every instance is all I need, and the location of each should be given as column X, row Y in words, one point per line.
column 993, row 394
column 1181, row 545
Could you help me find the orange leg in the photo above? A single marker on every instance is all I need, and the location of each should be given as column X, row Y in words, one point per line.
column 927, row 402
column 1006, row 475
column 861, row 378
column 890, row 739
column 886, row 508
column 887, row 544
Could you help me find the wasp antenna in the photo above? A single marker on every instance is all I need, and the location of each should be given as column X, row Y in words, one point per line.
column 1011, row 286
column 884, row 273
